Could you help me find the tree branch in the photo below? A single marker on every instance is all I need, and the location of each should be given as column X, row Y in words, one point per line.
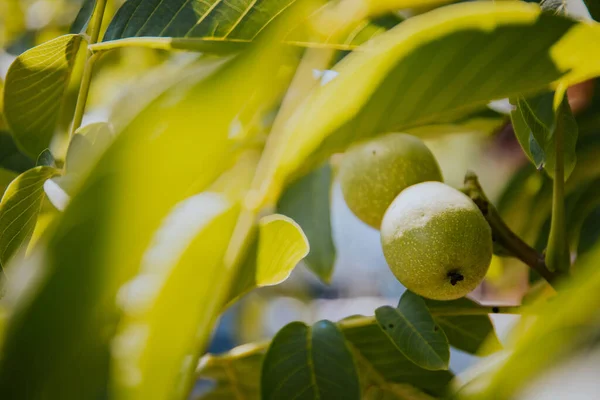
column 502, row 234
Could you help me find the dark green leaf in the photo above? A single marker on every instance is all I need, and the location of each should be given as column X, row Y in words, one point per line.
column 380, row 364
column 10, row 156
column 33, row 92
column 83, row 17
column 214, row 19
column 307, row 201
column 19, row 209
column 534, row 122
column 414, row 332
column 471, row 333
column 215, row 25
column 593, row 7
column 310, row 363
column 46, row 159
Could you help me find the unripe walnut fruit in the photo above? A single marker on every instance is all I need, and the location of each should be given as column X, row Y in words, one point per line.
column 373, row 173
column 436, row 241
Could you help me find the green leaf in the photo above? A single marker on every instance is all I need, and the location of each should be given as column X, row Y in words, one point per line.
column 10, row 156
column 380, row 364
column 235, row 375
column 594, row 8
column 82, row 19
column 547, row 334
column 483, row 122
column 474, row 334
column 35, row 84
column 215, row 25
column 87, row 145
column 395, row 391
column 312, row 362
column 278, row 248
column 414, row 332
column 198, row 228
column 307, row 201
column 46, row 159
column 19, row 209
column 395, row 85
column 100, row 240
column 6, row 177
column 534, row 124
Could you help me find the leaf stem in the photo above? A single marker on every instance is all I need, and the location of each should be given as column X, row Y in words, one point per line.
column 557, row 253
column 437, row 312
column 502, row 234
column 84, row 87
column 84, row 90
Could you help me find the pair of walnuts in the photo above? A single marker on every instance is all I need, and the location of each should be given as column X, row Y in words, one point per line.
column 434, row 238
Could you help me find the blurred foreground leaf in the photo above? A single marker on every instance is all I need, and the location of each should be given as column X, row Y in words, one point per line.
column 547, row 335
column 175, row 148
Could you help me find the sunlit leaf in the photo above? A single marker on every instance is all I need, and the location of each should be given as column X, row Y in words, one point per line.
column 395, row 84
column 218, row 26
column 173, row 149
column 310, row 361
column 6, row 177
column 187, row 248
column 412, row 329
column 546, row 335
column 474, row 334
column 19, row 209
column 279, row 246
column 308, row 202
column 34, row 88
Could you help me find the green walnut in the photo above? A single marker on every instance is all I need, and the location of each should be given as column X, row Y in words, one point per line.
column 373, row 173
column 436, row 241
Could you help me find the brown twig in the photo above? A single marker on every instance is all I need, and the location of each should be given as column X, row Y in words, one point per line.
column 502, row 234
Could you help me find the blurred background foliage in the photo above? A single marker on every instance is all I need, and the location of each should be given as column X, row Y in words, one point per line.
column 127, row 79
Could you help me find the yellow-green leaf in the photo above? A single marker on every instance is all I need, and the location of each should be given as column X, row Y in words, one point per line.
column 162, row 308
column 173, row 149
column 34, row 88
column 275, row 252
column 395, row 83
column 19, row 210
